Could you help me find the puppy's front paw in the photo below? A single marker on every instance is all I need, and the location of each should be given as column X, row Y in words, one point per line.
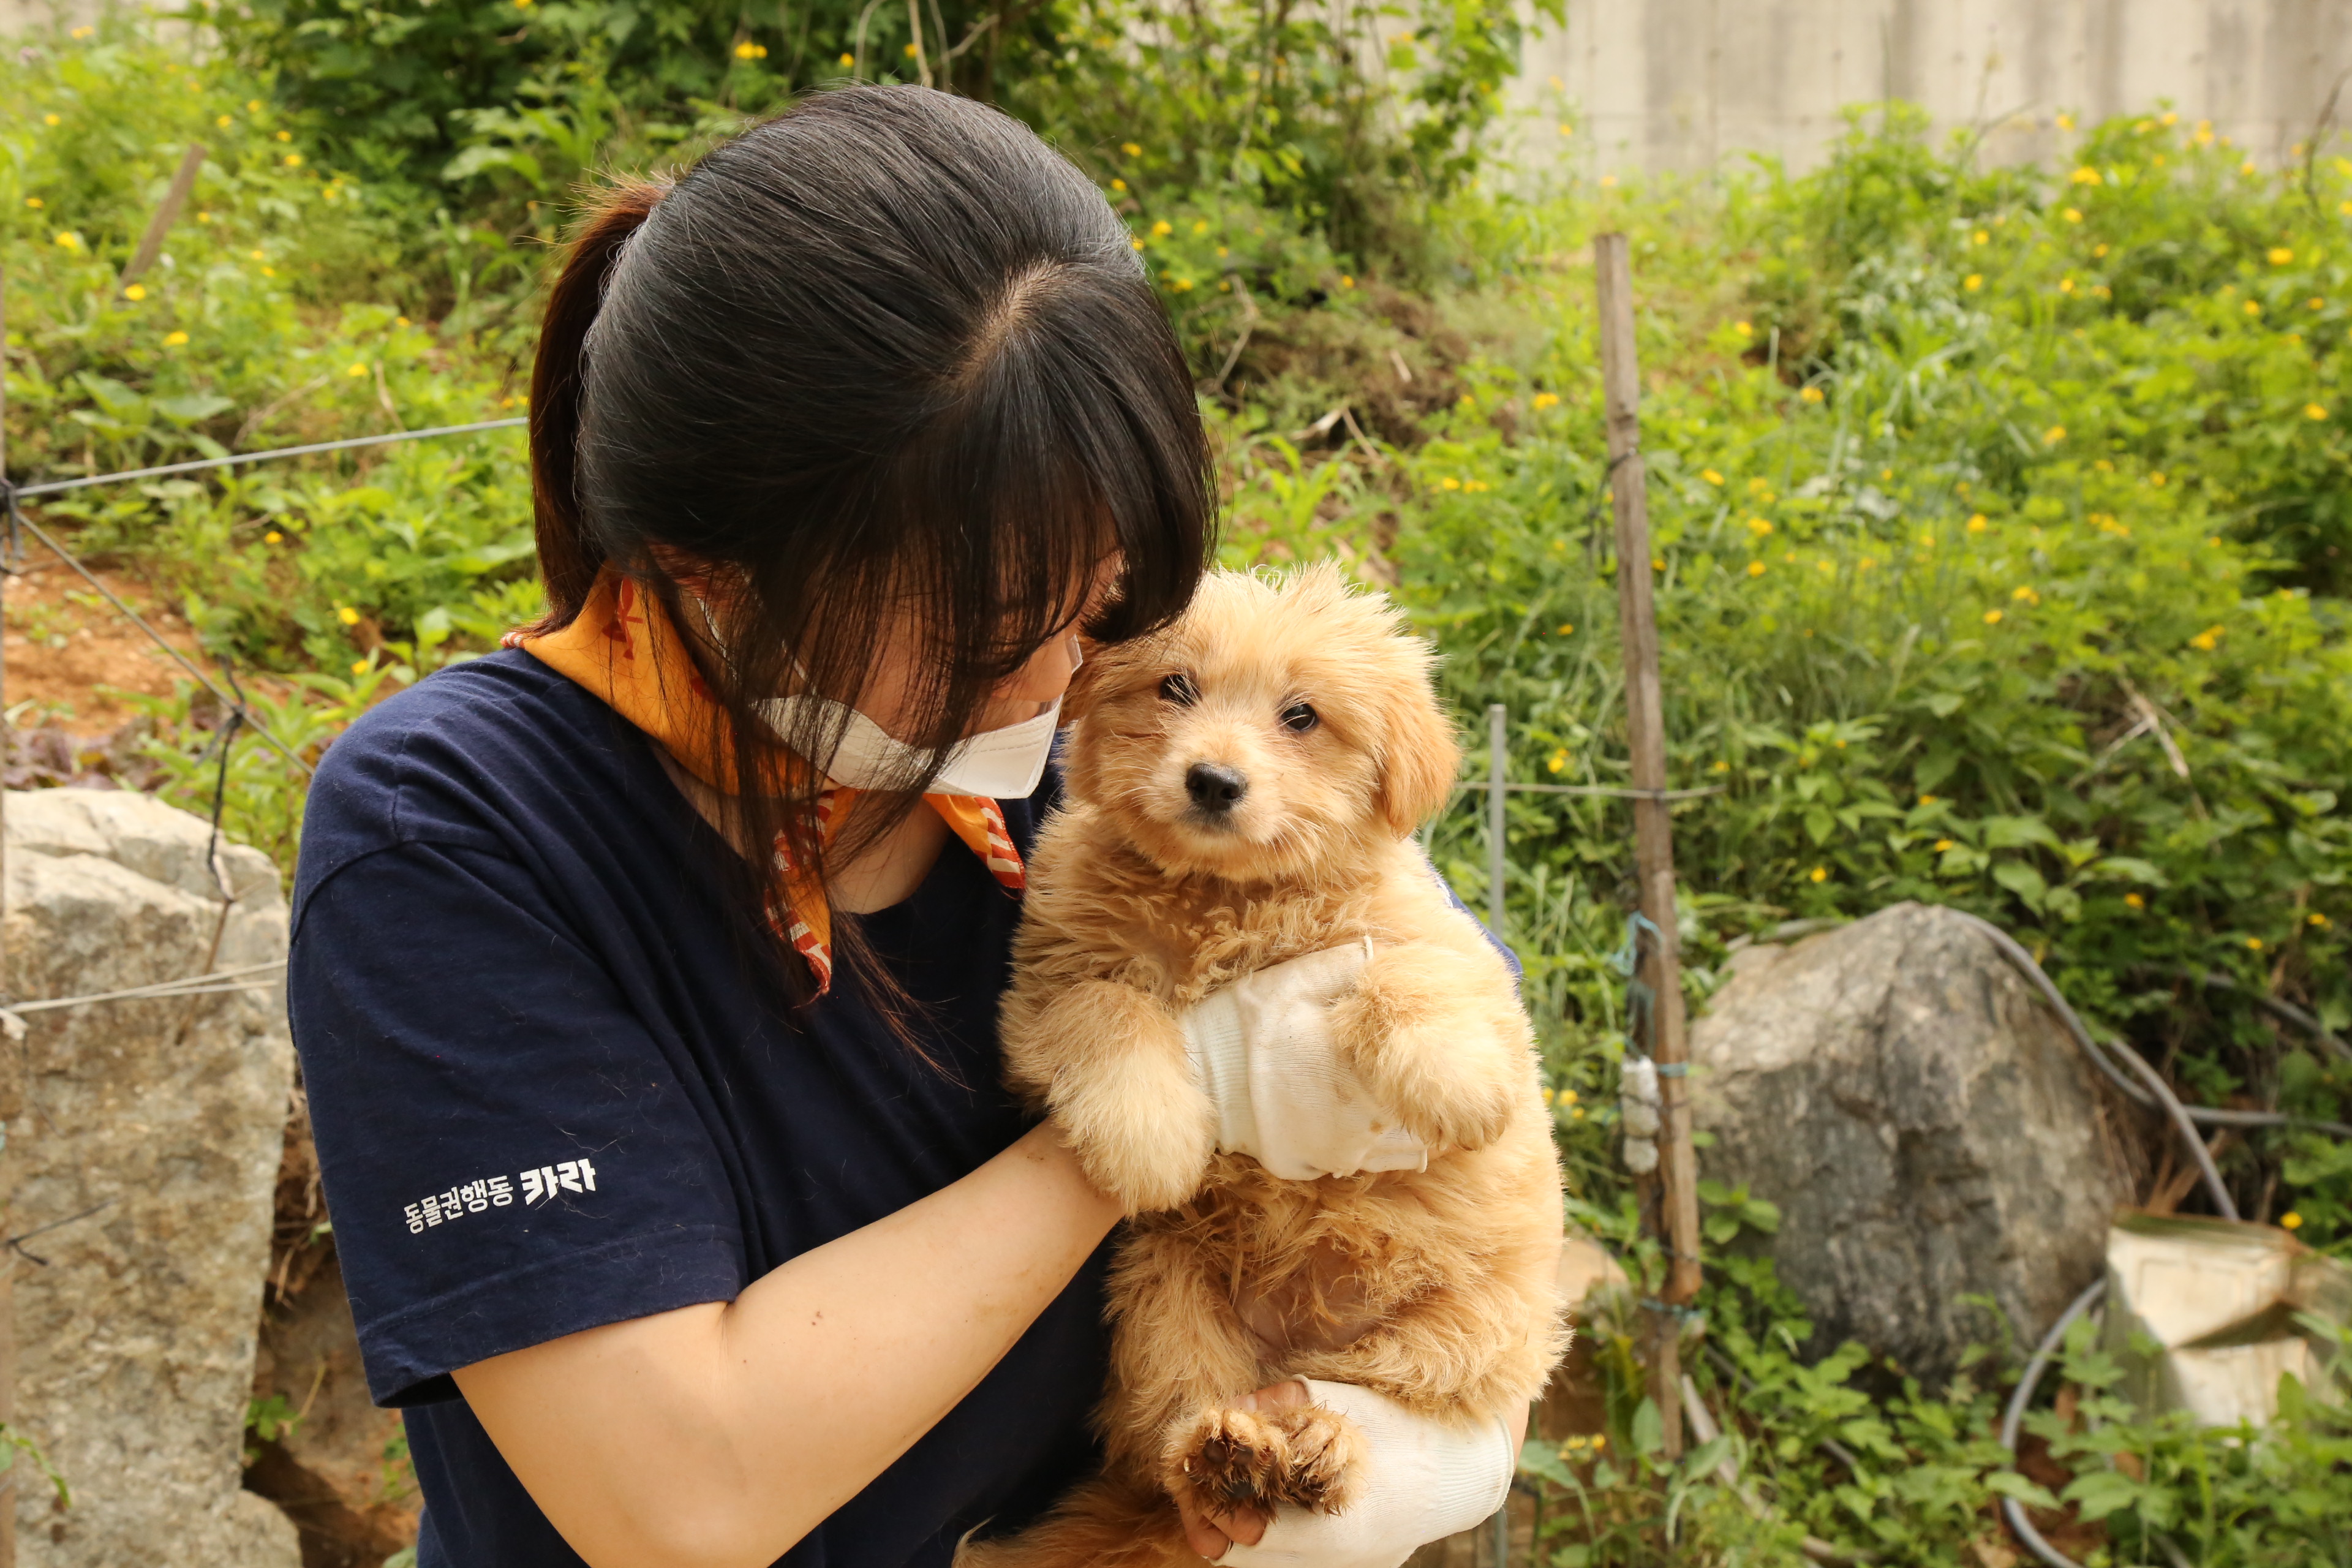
column 1427, row 1051
column 1112, row 1066
column 1223, row 1458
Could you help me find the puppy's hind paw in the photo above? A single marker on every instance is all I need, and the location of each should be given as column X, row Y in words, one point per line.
column 1224, row 1458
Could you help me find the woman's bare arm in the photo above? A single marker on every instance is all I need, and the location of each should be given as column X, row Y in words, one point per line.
column 717, row 1436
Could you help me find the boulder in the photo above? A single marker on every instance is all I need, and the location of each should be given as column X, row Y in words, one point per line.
column 135, row 1338
column 1928, row 1127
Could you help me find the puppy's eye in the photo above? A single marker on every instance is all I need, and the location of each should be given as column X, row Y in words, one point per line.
column 1300, row 717
column 1179, row 689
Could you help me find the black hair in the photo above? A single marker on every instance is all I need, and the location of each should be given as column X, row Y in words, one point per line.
column 889, row 345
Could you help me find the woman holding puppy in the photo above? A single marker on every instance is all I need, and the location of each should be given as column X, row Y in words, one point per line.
column 644, row 976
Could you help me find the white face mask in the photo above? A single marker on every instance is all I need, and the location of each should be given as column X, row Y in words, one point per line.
column 1001, row 764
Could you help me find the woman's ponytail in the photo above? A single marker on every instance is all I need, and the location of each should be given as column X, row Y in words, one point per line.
column 568, row 559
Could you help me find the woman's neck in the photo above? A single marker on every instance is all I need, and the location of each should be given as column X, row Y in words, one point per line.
column 885, row 872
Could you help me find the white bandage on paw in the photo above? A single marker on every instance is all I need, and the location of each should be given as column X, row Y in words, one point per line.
column 1420, row 1480
column 1262, row 1050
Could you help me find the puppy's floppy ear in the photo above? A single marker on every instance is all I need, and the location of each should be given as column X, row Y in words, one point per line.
column 1418, row 758
column 1089, row 679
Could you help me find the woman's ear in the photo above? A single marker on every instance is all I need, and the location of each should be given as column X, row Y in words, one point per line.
column 1420, row 759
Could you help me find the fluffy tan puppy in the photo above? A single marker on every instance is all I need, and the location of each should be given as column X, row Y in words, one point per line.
column 1242, row 790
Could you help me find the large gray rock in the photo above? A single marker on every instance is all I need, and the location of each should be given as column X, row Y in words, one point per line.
column 135, row 1344
column 1923, row 1122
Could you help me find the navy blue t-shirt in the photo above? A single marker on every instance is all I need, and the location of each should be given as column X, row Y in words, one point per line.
column 548, row 1095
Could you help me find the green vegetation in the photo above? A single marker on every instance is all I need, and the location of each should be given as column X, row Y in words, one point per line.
column 2001, row 522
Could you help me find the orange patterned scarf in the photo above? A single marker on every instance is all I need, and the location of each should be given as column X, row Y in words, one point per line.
column 623, row 648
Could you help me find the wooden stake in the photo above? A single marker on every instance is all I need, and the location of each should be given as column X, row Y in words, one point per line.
column 1673, row 1217
column 8, row 1491
column 151, row 244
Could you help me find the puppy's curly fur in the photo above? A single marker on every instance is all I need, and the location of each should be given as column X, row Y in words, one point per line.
column 1435, row 1287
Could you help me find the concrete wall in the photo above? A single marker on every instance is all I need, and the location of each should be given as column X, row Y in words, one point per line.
column 1654, row 85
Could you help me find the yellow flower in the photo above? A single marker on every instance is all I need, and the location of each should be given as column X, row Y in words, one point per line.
column 1608, row 181
column 2066, row 122
column 2135, row 901
column 2169, row 118
column 2247, row 167
column 1182, row 284
column 1972, row 282
column 1200, row 226
column 400, row 321
column 173, row 340
column 847, row 61
column 2204, row 133
column 2253, row 307
column 34, row 203
column 203, row 217
column 1926, row 800
column 2290, row 1221
column 68, row 240
column 1980, row 238
column 748, row 50
column 1657, row 563
column 1811, row 394
column 2281, row 256
column 1131, row 149
column 909, row 51
column 286, row 136
column 1942, row 845
column 1118, row 184
column 2315, row 918
column 253, row 106
column 1819, row 874
column 1163, row 229
column 1546, row 400
column 1758, row 527
column 2209, row 638
column 1825, row 565
column 359, row 665
column 1977, row 523
column 1566, row 128
column 2156, row 479
column 2313, row 411
column 2085, row 175
column 224, row 123
column 2026, row 595
column 1346, row 281
column 270, row 272
column 1449, row 483
column 1600, row 1441
column 1992, row 618
column 1756, row 568
column 2055, row 434
column 2065, row 285
column 2254, row 944
column 135, row 291
column 1566, row 628
column 293, row 160
column 1710, row 476
column 356, row 371
column 1743, row 329
column 2074, row 214
column 273, row 537
column 1568, row 1096
column 1137, row 243
column 1758, row 488
column 1558, row 762
column 52, row 120
column 346, row 614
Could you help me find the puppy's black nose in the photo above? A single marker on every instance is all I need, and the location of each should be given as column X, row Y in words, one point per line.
column 1214, row 787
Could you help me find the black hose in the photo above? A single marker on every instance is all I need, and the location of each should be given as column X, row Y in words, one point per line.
column 2012, row 1510
column 2151, row 1092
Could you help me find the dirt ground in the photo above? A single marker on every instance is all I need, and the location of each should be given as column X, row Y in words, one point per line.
column 66, row 649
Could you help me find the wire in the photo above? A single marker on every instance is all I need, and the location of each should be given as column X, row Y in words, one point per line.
column 228, row 703
column 2152, row 1092
column 55, row 486
column 2014, row 1416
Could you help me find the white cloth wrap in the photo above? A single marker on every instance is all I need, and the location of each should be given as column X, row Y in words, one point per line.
column 1421, row 1481
column 1261, row 1049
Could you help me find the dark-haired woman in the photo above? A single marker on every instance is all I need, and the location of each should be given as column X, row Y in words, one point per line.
column 653, row 1068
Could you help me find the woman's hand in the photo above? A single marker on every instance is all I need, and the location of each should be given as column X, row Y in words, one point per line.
column 1262, row 1050
column 1420, row 1480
